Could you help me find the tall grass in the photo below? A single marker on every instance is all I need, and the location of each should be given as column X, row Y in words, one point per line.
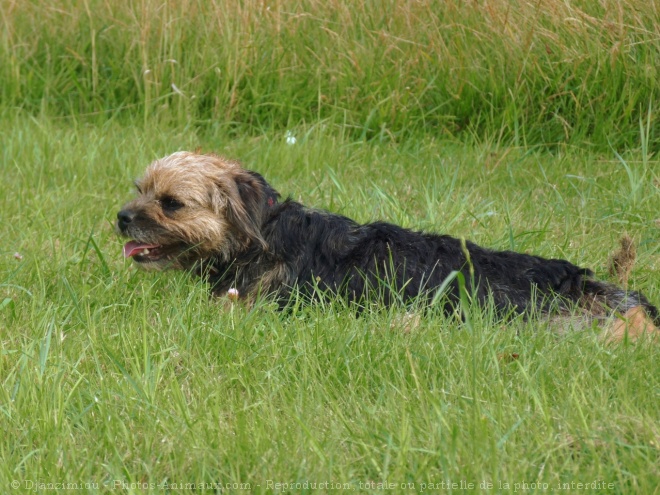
column 550, row 72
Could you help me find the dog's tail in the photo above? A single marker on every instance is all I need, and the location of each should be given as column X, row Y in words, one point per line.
column 635, row 315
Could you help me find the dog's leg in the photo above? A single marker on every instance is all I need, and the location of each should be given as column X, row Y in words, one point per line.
column 632, row 325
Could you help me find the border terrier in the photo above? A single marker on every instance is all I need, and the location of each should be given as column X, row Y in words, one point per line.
column 210, row 216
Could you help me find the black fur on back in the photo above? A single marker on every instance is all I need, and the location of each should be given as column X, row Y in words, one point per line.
column 310, row 249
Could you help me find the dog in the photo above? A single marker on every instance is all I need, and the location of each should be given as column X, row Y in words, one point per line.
column 208, row 215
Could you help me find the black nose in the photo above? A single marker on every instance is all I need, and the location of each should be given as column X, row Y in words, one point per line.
column 124, row 217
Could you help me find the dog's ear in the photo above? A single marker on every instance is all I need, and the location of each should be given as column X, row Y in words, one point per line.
column 248, row 208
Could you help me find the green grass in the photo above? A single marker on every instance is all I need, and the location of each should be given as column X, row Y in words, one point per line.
column 111, row 375
column 529, row 73
column 525, row 126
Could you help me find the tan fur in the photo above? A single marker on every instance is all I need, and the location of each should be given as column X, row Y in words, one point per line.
column 633, row 325
column 207, row 186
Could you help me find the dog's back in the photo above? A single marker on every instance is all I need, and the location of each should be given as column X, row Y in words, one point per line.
column 317, row 251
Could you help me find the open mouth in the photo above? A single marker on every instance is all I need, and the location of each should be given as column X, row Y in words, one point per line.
column 142, row 252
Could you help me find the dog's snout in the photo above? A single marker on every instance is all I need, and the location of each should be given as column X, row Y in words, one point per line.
column 125, row 217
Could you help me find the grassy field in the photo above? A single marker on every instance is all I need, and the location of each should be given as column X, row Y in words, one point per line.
column 121, row 381
column 533, row 73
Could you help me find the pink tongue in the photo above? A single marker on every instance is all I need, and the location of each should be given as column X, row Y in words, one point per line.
column 132, row 248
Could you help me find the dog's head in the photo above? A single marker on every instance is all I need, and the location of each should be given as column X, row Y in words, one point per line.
column 192, row 207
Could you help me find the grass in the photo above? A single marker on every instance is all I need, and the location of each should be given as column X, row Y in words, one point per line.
column 129, row 379
column 525, row 126
column 529, row 73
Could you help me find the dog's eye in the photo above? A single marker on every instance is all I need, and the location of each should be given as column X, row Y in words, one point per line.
column 170, row 204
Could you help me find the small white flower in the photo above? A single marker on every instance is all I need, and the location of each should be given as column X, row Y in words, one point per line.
column 18, row 256
column 290, row 138
column 232, row 294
